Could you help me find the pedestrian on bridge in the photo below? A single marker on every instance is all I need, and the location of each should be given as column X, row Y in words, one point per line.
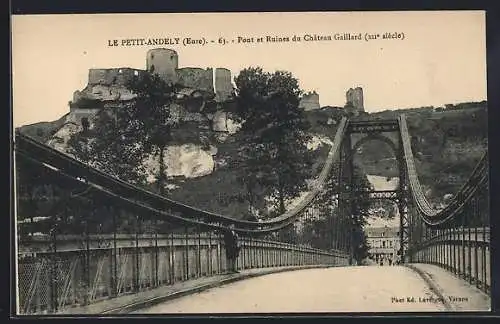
column 232, row 249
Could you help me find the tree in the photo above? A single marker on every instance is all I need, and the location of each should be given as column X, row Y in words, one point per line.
column 122, row 137
column 111, row 147
column 335, row 222
column 274, row 129
column 152, row 108
column 360, row 206
column 319, row 232
column 323, row 232
column 251, row 174
column 361, row 247
column 208, row 110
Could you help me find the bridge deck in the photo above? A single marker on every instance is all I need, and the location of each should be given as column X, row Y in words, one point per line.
column 354, row 289
column 131, row 302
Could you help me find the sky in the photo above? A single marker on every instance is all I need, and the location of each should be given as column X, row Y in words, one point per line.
column 442, row 58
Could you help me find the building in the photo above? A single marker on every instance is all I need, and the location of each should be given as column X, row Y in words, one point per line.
column 384, row 243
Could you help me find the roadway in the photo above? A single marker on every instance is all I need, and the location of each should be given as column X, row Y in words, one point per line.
column 353, row 289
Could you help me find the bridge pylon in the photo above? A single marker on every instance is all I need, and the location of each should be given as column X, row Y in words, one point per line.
column 358, row 133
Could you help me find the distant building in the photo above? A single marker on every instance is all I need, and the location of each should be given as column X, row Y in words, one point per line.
column 354, row 101
column 384, row 244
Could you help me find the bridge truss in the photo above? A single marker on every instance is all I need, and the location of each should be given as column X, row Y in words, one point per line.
column 88, row 236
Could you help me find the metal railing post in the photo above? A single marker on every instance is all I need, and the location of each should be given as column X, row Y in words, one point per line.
column 53, row 269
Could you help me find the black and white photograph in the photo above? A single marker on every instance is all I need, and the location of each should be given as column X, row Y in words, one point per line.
column 250, row 163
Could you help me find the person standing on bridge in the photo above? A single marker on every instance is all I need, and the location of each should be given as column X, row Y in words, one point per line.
column 232, row 249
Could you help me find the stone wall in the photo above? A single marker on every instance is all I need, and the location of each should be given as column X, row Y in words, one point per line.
column 196, row 78
column 115, row 76
column 104, row 93
column 223, row 86
column 309, row 101
column 108, row 84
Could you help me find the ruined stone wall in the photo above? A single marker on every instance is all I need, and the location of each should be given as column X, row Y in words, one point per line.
column 309, row 101
column 164, row 62
column 196, row 78
column 355, row 97
column 108, row 84
column 115, row 76
column 223, row 86
column 104, row 93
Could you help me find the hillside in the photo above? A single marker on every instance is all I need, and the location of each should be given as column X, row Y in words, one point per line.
column 197, row 161
column 447, row 143
column 229, row 198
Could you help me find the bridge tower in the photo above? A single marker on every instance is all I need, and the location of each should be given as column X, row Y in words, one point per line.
column 358, row 133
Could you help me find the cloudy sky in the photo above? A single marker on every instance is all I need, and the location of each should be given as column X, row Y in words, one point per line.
column 442, row 58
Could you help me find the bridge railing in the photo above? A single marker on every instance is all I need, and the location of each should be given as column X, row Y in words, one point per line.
column 84, row 236
column 456, row 237
column 462, row 251
column 459, row 241
column 108, row 266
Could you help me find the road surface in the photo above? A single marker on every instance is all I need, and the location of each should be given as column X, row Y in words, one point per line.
column 354, row 289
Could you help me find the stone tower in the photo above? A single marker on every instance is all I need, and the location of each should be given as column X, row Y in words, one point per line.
column 223, row 86
column 163, row 62
column 354, row 99
column 309, row 101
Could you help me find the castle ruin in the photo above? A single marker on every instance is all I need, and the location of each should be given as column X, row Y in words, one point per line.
column 108, row 87
column 309, row 101
column 354, row 100
column 164, row 62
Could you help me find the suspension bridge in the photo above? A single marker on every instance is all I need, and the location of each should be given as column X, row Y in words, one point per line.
column 93, row 239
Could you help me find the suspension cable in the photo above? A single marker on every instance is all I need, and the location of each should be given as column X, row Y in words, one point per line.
column 64, row 162
column 430, row 215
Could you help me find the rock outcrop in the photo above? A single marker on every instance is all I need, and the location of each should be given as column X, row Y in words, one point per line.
column 187, row 160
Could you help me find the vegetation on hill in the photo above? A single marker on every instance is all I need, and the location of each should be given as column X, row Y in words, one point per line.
column 274, row 134
column 336, row 220
column 120, row 139
column 272, row 162
column 447, row 143
column 269, row 157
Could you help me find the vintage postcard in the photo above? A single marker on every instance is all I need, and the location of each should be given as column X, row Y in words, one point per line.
column 251, row 163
